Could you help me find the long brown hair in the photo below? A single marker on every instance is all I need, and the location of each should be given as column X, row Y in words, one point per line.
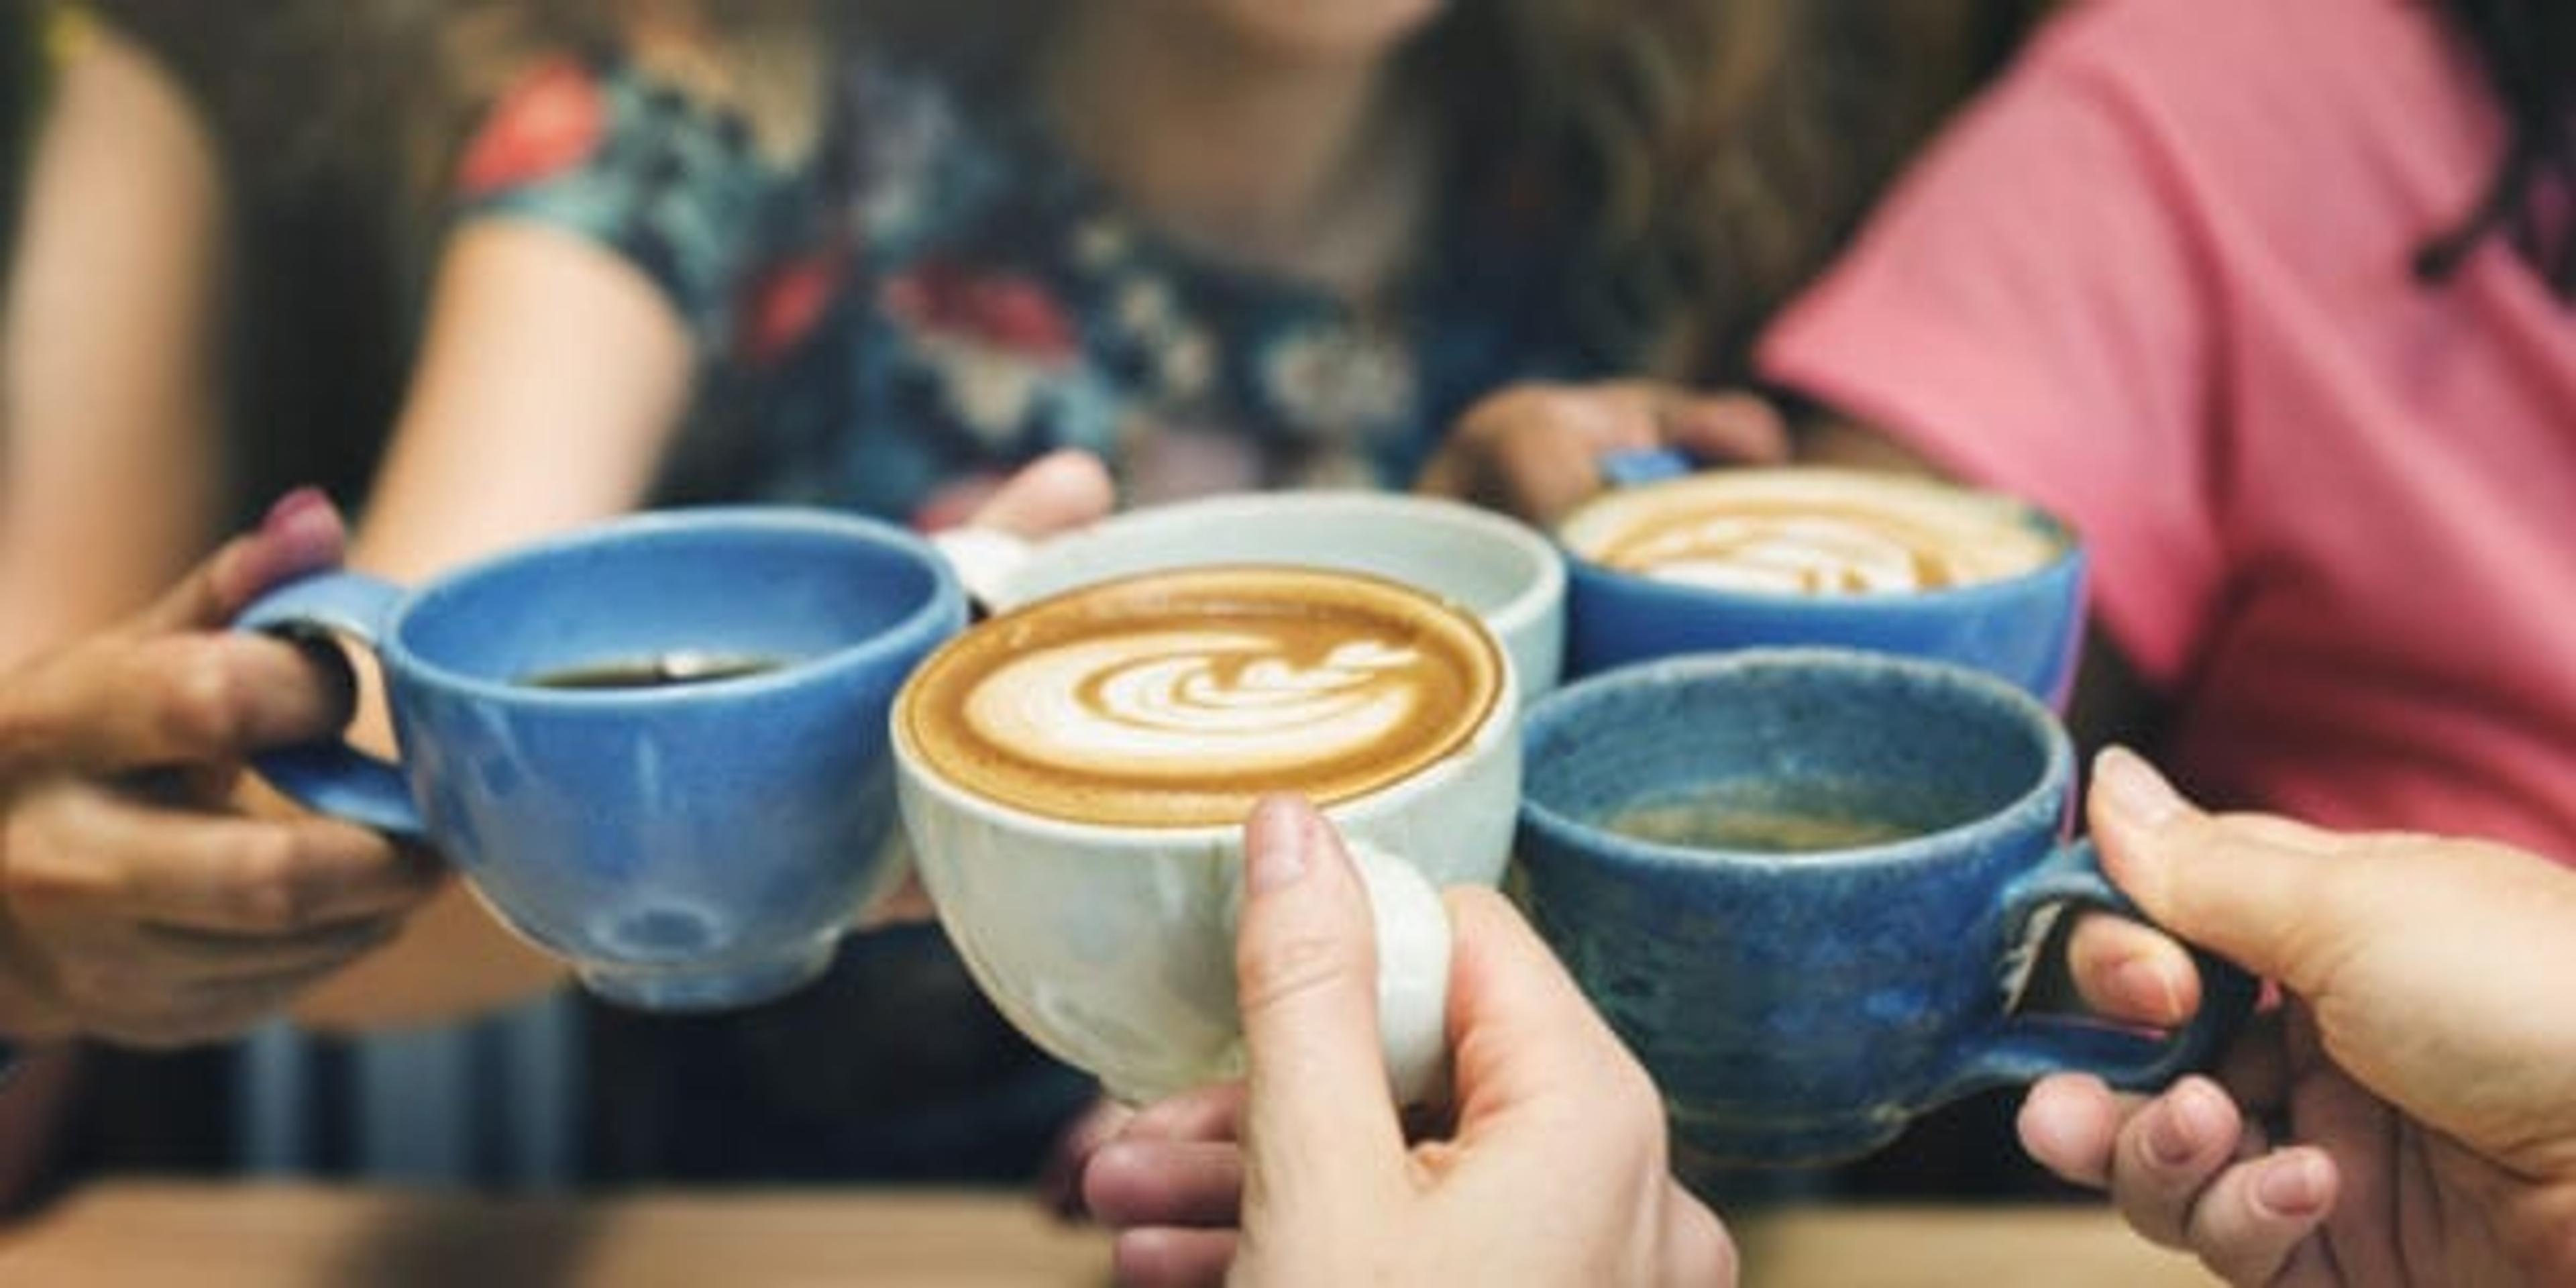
column 1736, row 144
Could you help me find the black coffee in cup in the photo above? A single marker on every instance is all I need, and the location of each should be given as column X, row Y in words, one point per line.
column 656, row 671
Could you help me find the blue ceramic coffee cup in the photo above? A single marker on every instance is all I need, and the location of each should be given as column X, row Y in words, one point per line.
column 656, row 748
column 2024, row 623
column 1802, row 884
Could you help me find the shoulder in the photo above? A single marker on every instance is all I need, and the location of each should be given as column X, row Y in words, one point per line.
column 2238, row 116
column 2214, row 68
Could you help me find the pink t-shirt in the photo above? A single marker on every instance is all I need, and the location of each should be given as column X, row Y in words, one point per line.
column 2160, row 281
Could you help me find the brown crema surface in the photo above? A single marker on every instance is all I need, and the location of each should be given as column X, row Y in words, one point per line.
column 1176, row 699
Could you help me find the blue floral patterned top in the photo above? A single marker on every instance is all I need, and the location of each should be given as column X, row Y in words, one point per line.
column 939, row 294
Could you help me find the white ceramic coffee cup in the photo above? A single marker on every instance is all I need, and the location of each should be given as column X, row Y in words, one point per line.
column 1111, row 946
column 1506, row 573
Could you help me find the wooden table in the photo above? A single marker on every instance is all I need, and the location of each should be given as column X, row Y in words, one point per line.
column 153, row 1234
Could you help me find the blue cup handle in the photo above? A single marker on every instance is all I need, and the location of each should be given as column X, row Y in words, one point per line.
column 2025, row 1048
column 1638, row 466
column 333, row 777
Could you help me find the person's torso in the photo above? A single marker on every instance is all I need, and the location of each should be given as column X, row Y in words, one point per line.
column 2394, row 469
column 947, row 295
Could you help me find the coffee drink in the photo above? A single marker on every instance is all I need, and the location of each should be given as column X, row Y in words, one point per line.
column 654, row 671
column 1814, row 532
column 1874, row 843
column 1176, row 699
column 1760, row 816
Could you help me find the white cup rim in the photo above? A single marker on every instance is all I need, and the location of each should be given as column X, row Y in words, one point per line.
column 1543, row 585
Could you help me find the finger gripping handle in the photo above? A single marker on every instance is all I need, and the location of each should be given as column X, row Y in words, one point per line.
column 333, row 777
column 2025, row 1048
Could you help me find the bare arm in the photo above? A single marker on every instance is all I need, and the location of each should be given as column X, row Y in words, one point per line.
column 551, row 382
column 110, row 455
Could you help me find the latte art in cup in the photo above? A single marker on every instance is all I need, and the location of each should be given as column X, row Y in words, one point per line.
column 1175, row 699
column 1813, row 532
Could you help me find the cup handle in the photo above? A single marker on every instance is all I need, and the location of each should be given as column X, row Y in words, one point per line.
column 2026, row 1047
column 984, row 560
column 1641, row 465
column 333, row 777
column 1413, row 940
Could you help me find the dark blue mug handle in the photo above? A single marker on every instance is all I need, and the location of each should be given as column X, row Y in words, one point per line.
column 333, row 777
column 2025, row 1048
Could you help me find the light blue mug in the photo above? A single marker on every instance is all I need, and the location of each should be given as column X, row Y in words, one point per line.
column 656, row 748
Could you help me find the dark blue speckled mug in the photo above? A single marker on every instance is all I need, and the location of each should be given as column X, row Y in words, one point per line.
column 657, row 748
column 1801, row 882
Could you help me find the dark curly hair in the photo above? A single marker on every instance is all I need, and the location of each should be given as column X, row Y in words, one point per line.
column 2528, row 49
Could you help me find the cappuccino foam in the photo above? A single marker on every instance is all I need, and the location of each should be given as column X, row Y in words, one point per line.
column 1814, row 532
column 1178, row 698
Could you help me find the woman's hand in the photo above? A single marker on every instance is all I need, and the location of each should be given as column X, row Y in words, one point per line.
column 136, row 903
column 1534, row 451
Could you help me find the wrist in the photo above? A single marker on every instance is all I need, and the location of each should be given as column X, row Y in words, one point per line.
column 30, row 1011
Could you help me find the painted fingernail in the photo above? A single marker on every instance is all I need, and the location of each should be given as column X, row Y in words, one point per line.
column 304, row 528
column 1274, row 844
column 2135, row 792
column 2293, row 1185
column 295, row 509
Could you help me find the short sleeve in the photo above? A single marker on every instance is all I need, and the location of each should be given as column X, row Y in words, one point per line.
column 2033, row 308
column 666, row 181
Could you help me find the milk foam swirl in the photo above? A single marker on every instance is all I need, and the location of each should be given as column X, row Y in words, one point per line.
column 1814, row 532
column 1796, row 553
column 1178, row 702
column 1176, row 698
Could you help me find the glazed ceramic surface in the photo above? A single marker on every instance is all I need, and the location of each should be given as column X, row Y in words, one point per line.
column 1113, row 947
column 1802, row 1007
column 683, row 847
column 2026, row 628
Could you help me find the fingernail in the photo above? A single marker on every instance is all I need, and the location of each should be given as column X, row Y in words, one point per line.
column 295, row 509
column 2292, row 1185
column 2136, row 794
column 2175, row 1132
column 2148, row 991
column 304, row 527
column 2169, row 1140
column 1274, row 844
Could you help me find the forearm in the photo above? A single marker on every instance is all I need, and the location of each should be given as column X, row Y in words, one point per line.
column 551, row 383
column 111, row 461
column 452, row 962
